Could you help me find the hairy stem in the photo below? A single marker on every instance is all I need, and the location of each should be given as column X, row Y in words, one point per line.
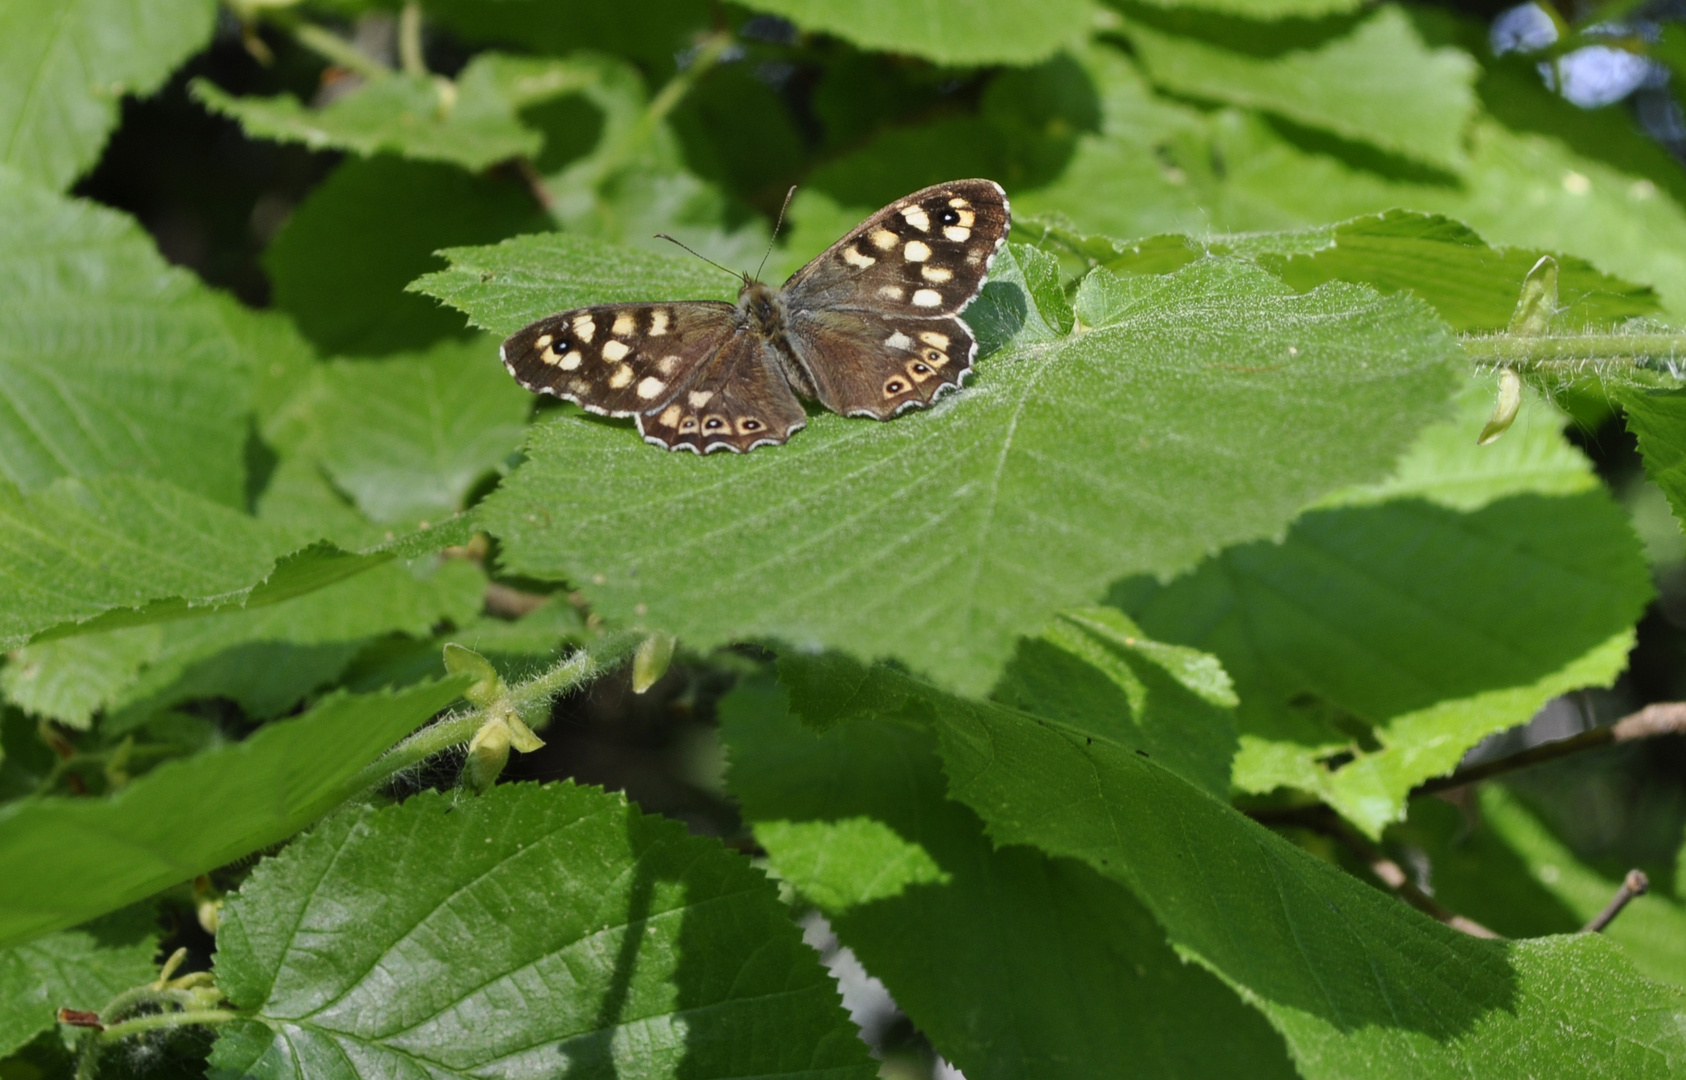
column 409, row 39
column 669, row 96
column 458, row 728
column 1569, row 354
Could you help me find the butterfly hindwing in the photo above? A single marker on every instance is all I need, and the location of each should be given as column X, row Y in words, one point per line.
column 618, row 359
column 736, row 400
column 923, row 255
column 864, row 363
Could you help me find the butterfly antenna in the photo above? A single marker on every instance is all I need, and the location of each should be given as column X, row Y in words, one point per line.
column 693, row 251
column 777, row 225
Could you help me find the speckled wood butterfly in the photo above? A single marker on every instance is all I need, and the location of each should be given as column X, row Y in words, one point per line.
column 869, row 328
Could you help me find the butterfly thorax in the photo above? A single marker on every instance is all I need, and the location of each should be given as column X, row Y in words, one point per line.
column 762, row 308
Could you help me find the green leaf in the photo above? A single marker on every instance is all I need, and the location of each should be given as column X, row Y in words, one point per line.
column 996, row 32
column 408, row 437
column 1014, row 964
column 1398, row 625
column 1502, row 867
column 1093, row 666
column 505, row 287
column 1657, row 419
column 987, row 514
column 265, row 659
column 340, row 264
column 653, row 32
column 1472, row 286
column 1356, row 983
column 80, row 969
column 565, row 933
column 64, row 67
column 470, row 122
column 112, row 360
column 123, row 550
column 1378, row 84
column 64, row 860
column 1265, row 9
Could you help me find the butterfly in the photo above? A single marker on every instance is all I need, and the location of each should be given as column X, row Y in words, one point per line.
column 870, row 327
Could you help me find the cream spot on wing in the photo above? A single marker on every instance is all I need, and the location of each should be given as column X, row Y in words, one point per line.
column 916, row 217
column 967, row 218
column 549, row 356
column 855, row 258
column 667, row 364
column 625, row 324
column 650, row 386
column 584, row 327
column 544, row 341
column 931, row 337
column 890, row 292
column 898, row 340
column 935, row 274
column 571, row 361
column 615, row 351
column 974, row 257
column 927, row 298
column 579, row 386
column 669, row 416
column 621, row 377
column 884, row 239
column 916, row 251
column 957, row 233
column 658, row 322
column 958, row 203
column 699, row 398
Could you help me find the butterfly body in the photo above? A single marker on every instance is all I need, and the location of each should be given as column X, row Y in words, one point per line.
column 870, row 327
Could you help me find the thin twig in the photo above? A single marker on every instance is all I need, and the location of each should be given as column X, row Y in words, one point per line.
column 1661, row 718
column 337, row 50
column 1635, row 884
column 410, row 41
column 1324, row 820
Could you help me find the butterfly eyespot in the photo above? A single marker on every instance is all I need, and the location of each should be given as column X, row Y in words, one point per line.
column 894, row 386
column 714, row 423
column 751, row 425
column 921, row 369
column 948, row 216
column 933, row 355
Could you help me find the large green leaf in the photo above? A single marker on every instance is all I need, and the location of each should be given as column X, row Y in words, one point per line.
column 986, row 32
column 111, row 360
column 540, row 932
column 1265, row 9
column 1093, row 666
column 1357, row 983
column 340, row 264
column 470, row 121
column 65, row 66
column 1379, row 83
column 1503, row 867
column 408, row 437
column 265, row 659
column 1381, row 639
column 82, row 968
column 1014, row 964
column 124, row 550
column 1472, row 285
column 190, row 816
column 1192, row 411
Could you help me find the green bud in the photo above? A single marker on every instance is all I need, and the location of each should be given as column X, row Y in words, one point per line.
column 650, row 662
column 488, row 684
column 1538, row 302
column 1505, row 409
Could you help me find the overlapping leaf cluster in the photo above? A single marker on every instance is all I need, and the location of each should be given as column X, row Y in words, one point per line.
column 1209, row 522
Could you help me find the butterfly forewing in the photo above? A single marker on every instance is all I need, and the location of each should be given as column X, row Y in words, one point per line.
column 618, row 359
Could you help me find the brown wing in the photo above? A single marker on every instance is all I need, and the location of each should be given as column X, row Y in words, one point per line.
column 737, row 400
column 923, row 255
column 864, row 363
column 618, row 359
